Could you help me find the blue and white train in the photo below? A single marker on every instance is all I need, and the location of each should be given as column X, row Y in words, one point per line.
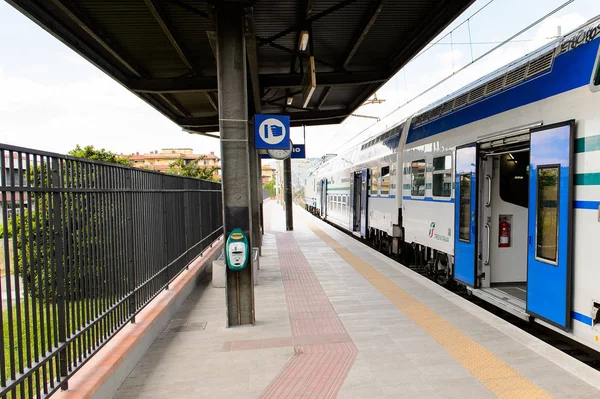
column 496, row 187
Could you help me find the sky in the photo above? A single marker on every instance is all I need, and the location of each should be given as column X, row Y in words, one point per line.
column 52, row 99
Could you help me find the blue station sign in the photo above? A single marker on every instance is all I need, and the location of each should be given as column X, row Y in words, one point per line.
column 271, row 131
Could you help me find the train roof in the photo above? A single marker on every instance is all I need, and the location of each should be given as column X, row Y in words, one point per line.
column 534, row 63
column 350, row 155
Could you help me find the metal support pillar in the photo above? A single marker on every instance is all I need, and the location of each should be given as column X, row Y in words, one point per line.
column 254, row 193
column 261, row 199
column 287, row 183
column 235, row 151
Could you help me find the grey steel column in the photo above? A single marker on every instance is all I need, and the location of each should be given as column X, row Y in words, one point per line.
column 287, row 183
column 233, row 116
column 254, row 193
column 261, row 199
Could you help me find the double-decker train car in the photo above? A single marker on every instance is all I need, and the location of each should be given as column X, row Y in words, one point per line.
column 496, row 187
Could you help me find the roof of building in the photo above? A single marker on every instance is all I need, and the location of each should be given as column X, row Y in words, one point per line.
column 142, row 157
column 162, row 50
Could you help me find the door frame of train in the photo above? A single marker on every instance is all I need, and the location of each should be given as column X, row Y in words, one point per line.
column 364, row 203
column 323, row 198
column 464, row 266
column 355, row 176
column 543, row 277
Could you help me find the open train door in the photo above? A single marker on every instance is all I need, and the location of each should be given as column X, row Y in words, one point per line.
column 550, row 223
column 323, row 198
column 364, row 201
column 465, row 236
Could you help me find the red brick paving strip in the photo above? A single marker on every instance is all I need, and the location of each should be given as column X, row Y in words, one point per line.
column 324, row 352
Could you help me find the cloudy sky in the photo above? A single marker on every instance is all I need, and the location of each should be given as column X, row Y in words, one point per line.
column 52, row 99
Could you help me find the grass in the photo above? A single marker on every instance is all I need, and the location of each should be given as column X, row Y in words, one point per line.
column 47, row 324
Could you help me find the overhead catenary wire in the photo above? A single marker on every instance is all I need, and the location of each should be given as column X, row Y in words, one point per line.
column 417, row 56
column 538, row 21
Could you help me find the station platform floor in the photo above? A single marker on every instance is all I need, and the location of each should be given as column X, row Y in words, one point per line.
column 334, row 318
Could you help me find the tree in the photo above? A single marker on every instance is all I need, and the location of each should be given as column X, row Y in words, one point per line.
column 192, row 169
column 271, row 187
column 89, row 152
column 78, row 233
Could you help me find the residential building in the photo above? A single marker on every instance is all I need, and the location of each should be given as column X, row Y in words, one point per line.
column 267, row 173
column 14, row 175
column 160, row 160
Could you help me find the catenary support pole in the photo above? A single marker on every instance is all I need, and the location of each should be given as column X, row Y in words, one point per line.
column 287, row 183
column 233, row 117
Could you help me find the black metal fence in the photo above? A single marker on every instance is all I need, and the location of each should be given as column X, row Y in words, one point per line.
column 86, row 245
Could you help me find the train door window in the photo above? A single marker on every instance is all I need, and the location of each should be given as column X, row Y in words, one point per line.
column 417, row 186
column 374, row 181
column 442, row 176
column 385, row 180
column 596, row 74
column 514, row 178
column 464, row 228
column 547, row 213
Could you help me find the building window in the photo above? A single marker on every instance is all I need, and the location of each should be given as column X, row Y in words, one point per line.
column 374, row 181
column 417, row 187
column 385, row 180
column 464, row 218
column 442, row 176
column 547, row 213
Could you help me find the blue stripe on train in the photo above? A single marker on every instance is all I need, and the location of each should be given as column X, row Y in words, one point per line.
column 571, row 70
column 578, row 204
column 427, row 199
column 587, row 205
column 581, row 318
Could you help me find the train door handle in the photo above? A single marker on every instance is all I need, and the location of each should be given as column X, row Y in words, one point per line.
column 488, row 202
column 489, row 237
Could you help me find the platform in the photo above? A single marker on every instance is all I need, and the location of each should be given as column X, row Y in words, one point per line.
column 337, row 319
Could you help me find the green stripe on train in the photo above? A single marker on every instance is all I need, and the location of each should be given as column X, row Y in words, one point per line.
column 587, row 179
column 587, row 144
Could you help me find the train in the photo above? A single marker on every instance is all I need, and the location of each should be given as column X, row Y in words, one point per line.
column 495, row 187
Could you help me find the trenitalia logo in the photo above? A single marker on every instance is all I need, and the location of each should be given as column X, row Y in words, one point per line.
column 431, row 229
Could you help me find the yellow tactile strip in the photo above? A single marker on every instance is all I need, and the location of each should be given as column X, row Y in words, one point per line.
column 497, row 375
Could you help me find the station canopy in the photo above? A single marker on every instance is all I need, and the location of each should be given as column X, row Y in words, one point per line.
column 316, row 60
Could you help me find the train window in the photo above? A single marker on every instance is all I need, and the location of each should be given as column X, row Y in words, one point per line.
column 374, row 181
column 417, row 186
column 385, row 180
column 514, row 178
column 464, row 218
column 596, row 79
column 442, row 176
column 547, row 213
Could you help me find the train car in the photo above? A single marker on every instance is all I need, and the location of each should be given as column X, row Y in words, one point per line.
column 500, row 186
column 357, row 190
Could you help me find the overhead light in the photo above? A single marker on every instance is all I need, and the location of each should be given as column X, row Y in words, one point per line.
column 289, row 100
column 303, row 43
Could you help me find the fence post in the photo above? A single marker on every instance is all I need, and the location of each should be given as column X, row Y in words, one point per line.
column 130, row 252
column 60, row 272
column 165, row 235
column 187, row 220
